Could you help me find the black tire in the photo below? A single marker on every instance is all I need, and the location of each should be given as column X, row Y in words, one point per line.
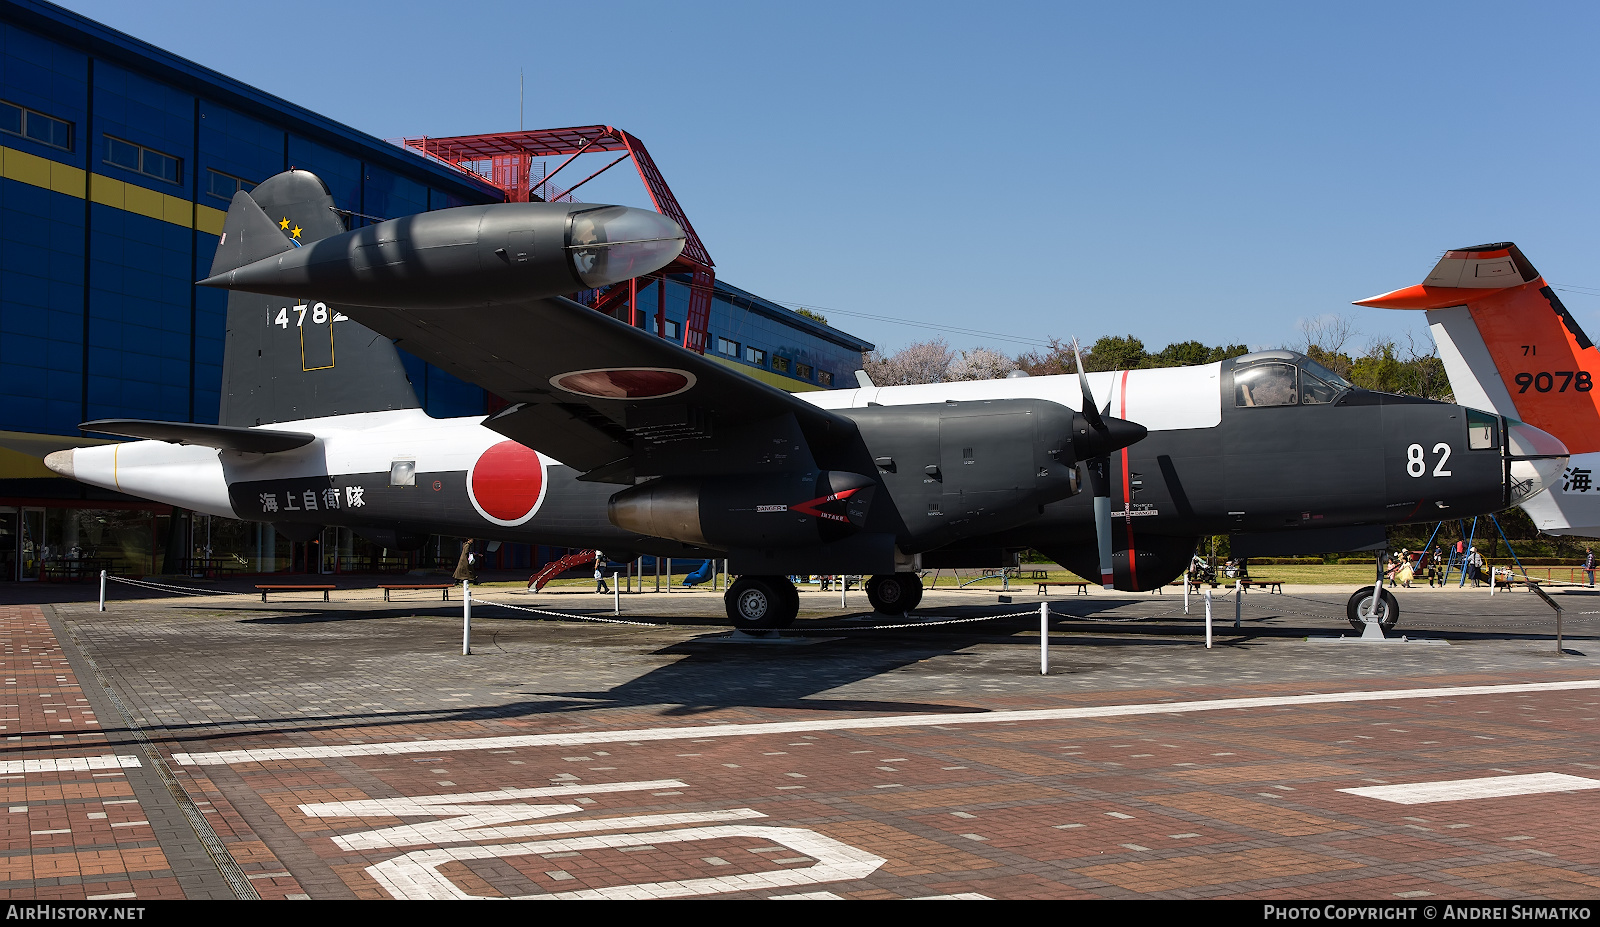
column 761, row 603
column 892, row 593
column 1389, row 616
column 915, row 583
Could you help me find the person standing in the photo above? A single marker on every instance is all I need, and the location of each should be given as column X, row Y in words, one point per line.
column 1588, row 563
column 600, row 574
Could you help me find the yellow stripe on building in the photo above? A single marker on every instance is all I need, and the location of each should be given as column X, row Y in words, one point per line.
column 108, row 191
column 788, row 384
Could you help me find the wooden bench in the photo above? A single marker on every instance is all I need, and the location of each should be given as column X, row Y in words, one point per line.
column 391, row 587
column 1267, row 584
column 1083, row 588
column 277, row 588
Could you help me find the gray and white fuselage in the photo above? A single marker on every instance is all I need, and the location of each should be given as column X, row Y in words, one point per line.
column 1209, row 465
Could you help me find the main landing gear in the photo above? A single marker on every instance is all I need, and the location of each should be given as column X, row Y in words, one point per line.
column 894, row 593
column 762, row 603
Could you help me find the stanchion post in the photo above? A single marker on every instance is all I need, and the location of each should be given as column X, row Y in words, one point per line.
column 102, row 590
column 466, row 618
column 616, row 595
column 842, row 584
column 1208, row 619
column 1238, row 601
column 1044, row 638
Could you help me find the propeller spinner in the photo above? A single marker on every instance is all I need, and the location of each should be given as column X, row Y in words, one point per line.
column 1092, row 443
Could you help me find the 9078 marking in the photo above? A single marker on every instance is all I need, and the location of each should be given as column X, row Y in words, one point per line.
column 1582, row 381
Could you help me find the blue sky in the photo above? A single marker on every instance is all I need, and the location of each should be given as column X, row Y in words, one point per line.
column 1210, row 171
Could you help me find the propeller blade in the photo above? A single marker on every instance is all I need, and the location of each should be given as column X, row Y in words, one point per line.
column 1102, row 535
column 1091, row 411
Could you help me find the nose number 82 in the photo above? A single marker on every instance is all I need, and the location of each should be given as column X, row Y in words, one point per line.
column 1417, row 464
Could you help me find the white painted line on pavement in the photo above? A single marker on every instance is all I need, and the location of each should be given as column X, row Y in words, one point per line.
column 271, row 754
column 68, row 764
column 1421, row 793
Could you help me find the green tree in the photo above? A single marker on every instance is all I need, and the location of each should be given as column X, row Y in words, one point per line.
column 1115, row 352
column 816, row 317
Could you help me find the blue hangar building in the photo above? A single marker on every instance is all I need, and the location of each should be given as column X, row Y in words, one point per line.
column 118, row 162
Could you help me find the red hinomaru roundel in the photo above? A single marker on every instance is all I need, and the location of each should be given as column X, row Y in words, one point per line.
column 506, row 484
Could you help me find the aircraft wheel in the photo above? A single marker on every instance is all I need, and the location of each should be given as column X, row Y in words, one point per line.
column 761, row 603
column 1388, row 612
column 914, row 586
column 894, row 593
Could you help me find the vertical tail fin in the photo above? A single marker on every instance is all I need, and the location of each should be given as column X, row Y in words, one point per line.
column 1510, row 346
column 1507, row 341
column 291, row 359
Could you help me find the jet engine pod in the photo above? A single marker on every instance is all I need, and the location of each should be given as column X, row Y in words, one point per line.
column 463, row 257
column 1139, row 561
column 761, row 511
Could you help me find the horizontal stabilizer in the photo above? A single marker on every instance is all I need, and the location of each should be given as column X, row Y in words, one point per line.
column 248, row 235
column 222, row 437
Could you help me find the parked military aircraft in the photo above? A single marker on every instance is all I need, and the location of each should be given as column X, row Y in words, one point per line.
column 1270, row 447
column 1508, row 344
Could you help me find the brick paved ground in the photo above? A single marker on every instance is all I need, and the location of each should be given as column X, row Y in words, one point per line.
column 345, row 750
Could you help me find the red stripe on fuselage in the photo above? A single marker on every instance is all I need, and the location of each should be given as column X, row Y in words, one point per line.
column 1127, row 491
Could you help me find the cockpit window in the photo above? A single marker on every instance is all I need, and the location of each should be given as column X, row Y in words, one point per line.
column 1481, row 429
column 1265, row 385
column 1313, row 391
column 1307, row 365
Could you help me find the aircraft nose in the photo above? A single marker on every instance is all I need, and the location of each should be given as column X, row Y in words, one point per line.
column 1537, row 459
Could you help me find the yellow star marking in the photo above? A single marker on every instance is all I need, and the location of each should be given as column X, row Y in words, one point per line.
column 284, row 224
column 295, row 232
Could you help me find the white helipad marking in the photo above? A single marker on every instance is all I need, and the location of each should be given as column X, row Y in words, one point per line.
column 69, row 764
column 271, row 754
column 1421, row 793
column 416, row 875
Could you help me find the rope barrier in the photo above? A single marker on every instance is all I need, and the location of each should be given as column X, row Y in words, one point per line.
column 541, row 611
column 166, row 587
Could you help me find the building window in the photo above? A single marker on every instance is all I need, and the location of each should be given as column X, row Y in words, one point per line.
column 803, row 371
column 756, row 356
column 780, row 364
column 824, row 378
column 671, row 328
column 142, row 160
column 24, row 122
column 226, row 185
column 730, row 348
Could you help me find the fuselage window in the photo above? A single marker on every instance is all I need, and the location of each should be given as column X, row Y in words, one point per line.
column 1315, row 392
column 1481, row 428
column 403, row 472
column 1265, row 385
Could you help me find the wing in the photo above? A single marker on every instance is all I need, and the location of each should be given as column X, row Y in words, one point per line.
column 224, row 437
column 599, row 395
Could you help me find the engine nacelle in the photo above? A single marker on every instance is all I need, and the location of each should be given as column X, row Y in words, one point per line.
column 770, row 511
column 1148, row 562
column 960, row 469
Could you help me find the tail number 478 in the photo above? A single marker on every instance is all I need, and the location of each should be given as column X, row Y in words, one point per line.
column 1417, row 464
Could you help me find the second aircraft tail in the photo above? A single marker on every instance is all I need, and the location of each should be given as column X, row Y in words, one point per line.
column 1510, row 346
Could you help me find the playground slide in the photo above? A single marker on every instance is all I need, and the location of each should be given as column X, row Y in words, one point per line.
column 700, row 575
